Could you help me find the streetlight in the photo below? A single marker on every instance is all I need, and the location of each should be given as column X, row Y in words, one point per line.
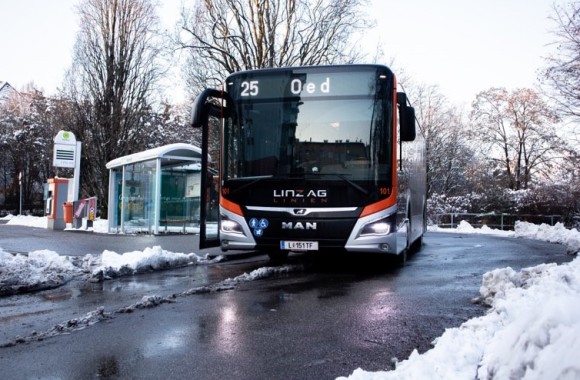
column 20, row 183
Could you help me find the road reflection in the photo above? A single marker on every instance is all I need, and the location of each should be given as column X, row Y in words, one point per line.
column 166, row 341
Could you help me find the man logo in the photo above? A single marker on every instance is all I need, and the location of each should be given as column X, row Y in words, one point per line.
column 299, row 211
column 299, row 226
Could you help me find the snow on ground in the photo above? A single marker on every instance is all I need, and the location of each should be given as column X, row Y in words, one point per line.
column 531, row 331
column 113, row 264
column 36, row 271
column 553, row 234
column 26, row 220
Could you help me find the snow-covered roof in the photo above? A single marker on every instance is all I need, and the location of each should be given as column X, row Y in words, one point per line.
column 6, row 90
column 171, row 152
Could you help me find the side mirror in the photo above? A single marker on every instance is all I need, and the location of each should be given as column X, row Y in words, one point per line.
column 201, row 109
column 406, row 118
column 407, row 123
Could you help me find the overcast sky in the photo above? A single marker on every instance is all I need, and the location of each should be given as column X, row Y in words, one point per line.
column 463, row 46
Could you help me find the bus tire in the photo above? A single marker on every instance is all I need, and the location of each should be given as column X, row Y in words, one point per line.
column 402, row 257
column 277, row 256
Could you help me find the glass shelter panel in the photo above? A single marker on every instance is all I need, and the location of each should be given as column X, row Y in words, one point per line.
column 117, row 180
column 137, row 206
column 180, row 190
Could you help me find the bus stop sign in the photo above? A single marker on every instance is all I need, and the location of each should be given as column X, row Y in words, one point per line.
column 65, row 150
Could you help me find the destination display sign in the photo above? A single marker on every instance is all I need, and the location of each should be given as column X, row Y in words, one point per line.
column 302, row 83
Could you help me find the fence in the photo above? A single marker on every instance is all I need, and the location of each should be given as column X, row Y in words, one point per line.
column 496, row 221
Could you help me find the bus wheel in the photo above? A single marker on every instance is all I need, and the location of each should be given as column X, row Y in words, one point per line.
column 277, row 256
column 402, row 257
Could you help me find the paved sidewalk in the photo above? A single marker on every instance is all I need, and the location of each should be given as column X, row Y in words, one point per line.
column 23, row 239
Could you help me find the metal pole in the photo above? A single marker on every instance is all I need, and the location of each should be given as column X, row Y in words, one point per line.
column 77, row 174
column 20, row 182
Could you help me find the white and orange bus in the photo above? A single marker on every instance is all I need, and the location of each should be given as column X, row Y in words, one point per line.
column 316, row 158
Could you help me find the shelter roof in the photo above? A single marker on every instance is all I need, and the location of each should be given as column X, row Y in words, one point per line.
column 172, row 153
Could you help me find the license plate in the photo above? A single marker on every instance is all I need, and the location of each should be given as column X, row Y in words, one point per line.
column 299, row 245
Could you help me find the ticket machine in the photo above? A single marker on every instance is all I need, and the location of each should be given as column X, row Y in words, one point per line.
column 57, row 194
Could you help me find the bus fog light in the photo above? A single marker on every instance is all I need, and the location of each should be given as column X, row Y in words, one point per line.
column 384, row 247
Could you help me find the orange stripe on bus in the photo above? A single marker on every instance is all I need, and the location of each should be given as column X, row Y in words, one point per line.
column 231, row 206
column 378, row 206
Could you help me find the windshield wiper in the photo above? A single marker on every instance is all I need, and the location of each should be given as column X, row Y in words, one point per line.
column 253, row 180
column 343, row 177
column 256, row 179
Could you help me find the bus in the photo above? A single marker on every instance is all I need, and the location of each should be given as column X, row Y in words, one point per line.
column 311, row 159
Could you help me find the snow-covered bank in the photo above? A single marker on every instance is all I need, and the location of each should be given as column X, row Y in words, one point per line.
column 46, row 269
column 113, row 264
column 553, row 234
column 36, row 271
column 99, row 225
column 531, row 331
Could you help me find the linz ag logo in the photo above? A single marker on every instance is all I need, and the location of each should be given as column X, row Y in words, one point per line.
column 300, row 196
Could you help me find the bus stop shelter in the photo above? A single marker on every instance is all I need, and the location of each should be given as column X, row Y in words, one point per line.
column 155, row 191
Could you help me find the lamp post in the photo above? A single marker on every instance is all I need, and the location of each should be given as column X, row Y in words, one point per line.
column 20, row 183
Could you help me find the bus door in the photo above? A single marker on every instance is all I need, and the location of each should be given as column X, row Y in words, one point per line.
column 208, row 116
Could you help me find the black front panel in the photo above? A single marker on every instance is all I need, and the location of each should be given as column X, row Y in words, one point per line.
column 269, row 228
column 330, row 233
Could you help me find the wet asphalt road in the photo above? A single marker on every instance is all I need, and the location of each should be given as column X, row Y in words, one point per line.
column 79, row 243
column 319, row 322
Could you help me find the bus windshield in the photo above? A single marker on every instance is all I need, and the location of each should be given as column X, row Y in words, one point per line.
column 312, row 123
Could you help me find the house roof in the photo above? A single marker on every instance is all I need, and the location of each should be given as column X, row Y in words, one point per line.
column 6, row 90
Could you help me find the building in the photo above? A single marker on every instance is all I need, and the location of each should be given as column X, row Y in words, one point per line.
column 9, row 97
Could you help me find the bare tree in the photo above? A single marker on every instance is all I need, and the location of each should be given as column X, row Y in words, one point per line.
column 114, row 71
column 563, row 71
column 516, row 130
column 26, row 143
column 448, row 153
column 224, row 36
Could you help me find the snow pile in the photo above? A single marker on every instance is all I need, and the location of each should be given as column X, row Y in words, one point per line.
column 466, row 228
column 150, row 259
column 532, row 330
column 534, row 343
column 147, row 302
column 36, row 271
column 258, row 274
column 27, row 220
column 99, row 225
column 553, row 234
column 46, row 269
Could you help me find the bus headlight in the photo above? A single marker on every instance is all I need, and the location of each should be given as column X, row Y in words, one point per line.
column 379, row 227
column 230, row 226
